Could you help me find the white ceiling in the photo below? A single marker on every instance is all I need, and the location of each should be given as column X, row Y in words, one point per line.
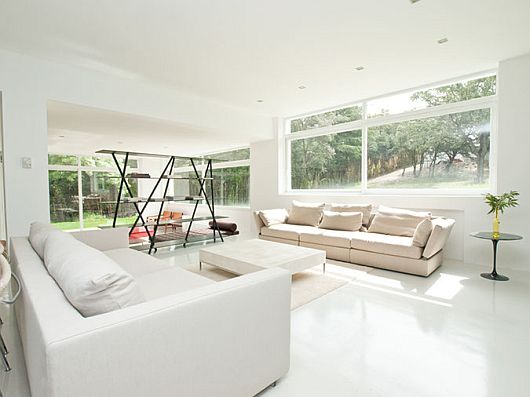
column 77, row 129
column 238, row 51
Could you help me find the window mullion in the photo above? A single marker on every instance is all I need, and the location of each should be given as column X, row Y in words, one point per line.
column 80, row 193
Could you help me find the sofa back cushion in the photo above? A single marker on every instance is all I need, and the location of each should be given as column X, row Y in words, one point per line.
column 91, row 281
column 396, row 221
column 348, row 221
column 365, row 209
column 422, row 233
column 38, row 233
column 273, row 217
column 305, row 213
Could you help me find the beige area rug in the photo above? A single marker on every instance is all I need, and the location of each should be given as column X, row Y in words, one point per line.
column 306, row 286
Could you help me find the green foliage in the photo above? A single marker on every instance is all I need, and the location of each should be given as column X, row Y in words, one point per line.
column 326, row 119
column 502, row 201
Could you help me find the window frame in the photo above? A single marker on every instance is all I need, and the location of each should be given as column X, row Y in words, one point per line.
column 286, row 137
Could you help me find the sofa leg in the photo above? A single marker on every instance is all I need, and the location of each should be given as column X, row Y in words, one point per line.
column 273, row 384
column 200, row 265
column 324, row 268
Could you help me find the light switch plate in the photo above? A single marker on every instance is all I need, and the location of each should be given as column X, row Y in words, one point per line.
column 26, row 162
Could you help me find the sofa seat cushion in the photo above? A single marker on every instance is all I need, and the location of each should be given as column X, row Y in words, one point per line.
column 136, row 263
column 333, row 238
column 169, row 281
column 287, row 231
column 386, row 244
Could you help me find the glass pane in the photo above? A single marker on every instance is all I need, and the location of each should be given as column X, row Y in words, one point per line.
column 100, row 192
column 450, row 152
column 64, row 199
column 415, row 100
column 60, row 159
column 107, row 162
column 327, row 162
column 233, row 155
column 333, row 117
column 231, row 186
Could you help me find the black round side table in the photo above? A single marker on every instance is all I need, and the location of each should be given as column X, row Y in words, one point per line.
column 495, row 240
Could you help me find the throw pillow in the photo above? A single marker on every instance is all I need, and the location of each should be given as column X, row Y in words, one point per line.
column 422, row 233
column 348, row 221
column 38, row 233
column 396, row 221
column 305, row 213
column 365, row 209
column 274, row 217
column 91, row 281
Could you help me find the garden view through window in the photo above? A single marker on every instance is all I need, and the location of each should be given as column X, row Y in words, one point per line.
column 436, row 138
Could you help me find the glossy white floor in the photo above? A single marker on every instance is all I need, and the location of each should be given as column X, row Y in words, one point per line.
column 389, row 334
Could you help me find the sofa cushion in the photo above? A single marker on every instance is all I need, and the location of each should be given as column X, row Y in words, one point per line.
column 385, row 244
column 169, row 281
column 349, row 221
column 38, row 233
column 305, row 213
column 90, row 280
column 273, row 217
column 422, row 233
column 333, row 238
column 397, row 222
column 365, row 209
column 136, row 263
column 287, row 231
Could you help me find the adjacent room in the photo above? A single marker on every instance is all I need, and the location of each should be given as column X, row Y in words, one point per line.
column 242, row 198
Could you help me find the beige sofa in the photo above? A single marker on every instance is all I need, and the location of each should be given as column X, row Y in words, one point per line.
column 384, row 251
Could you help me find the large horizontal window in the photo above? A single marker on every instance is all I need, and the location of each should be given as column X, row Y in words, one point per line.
column 431, row 139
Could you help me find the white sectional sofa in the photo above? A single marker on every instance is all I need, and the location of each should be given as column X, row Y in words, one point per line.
column 189, row 337
column 361, row 245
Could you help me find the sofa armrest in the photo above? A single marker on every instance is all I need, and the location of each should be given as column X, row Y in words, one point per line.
column 104, row 239
column 258, row 221
column 226, row 339
column 440, row 233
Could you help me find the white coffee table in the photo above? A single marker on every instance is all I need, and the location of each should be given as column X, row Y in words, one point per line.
column 253, row 255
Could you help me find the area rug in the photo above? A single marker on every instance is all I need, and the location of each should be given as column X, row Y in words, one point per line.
column 306, row 286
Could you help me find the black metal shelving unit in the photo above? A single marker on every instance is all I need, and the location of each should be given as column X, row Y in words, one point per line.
column 140, row 204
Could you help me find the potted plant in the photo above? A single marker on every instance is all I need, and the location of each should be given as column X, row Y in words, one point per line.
column 499, row 204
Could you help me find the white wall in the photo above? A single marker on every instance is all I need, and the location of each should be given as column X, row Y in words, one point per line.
column 27, row 84
column 469, row 212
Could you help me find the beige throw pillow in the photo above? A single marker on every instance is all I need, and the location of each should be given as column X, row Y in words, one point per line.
column 365, row 209
column 305, row 213
column 348, row 221
column 396, row 221
column 422, row 233
column 274, row 217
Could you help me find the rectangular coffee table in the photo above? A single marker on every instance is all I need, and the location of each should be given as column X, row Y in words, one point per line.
column 252, row 255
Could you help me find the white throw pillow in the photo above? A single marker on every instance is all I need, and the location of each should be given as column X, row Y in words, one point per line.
column 305, row 213
column 38, row 233
column 348, row 221
column 365, row 209
column 274, row 217
column 90, row 280
column 396, row 221
column 422, row 233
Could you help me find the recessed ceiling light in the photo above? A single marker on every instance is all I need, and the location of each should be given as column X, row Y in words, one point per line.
column 443, row 41
column 61, row 136
column 302, row 87
column 119, row 142
column 414, row 1
column 259, row 100
column 359, row 68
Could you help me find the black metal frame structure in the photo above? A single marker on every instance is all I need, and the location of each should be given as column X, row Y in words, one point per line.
column 167, row 175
